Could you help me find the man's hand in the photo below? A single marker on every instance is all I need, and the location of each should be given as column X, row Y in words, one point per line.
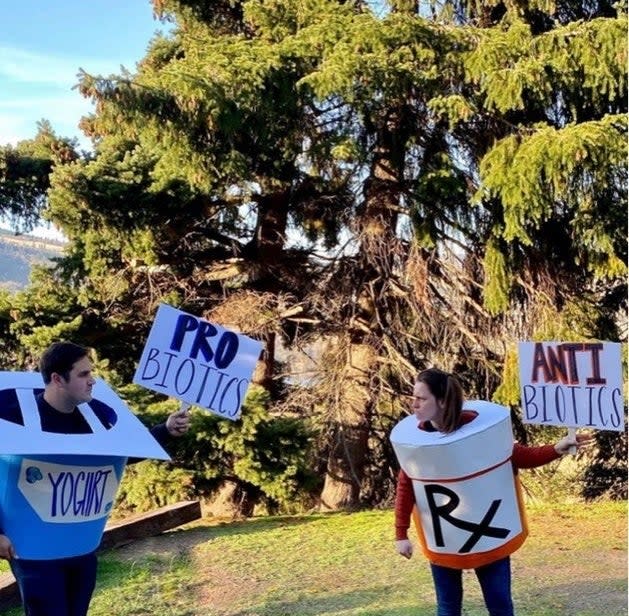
column 178, row 422
column 6, row 548
column 404, row 547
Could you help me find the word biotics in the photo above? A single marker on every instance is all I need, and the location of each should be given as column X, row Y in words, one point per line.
column 196, row 382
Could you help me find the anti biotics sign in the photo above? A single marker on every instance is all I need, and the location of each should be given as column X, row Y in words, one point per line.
column 572, row 384
column 198, row 362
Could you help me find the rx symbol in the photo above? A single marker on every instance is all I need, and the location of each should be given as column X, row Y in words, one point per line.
column 444, row 511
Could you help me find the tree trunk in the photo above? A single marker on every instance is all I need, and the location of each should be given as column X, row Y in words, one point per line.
column 350, row 431
column 357, row 397
column 235, row 500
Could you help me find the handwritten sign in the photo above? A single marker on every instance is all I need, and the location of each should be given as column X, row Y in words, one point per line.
column 572, row 384
column 198, row 362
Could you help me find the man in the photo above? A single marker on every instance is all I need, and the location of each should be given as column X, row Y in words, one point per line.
column 64, row 586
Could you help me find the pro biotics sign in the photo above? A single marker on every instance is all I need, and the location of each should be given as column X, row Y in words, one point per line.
column 198, row 362
column 572, row 384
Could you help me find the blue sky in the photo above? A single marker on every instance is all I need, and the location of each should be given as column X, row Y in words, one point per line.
column 44, row 44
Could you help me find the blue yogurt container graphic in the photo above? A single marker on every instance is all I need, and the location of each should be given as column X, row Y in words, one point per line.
column 57, row 506
column 57, row 490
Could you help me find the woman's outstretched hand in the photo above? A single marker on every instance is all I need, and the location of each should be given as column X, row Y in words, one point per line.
column 562, row 447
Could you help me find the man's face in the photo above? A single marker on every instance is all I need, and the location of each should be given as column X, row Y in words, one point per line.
column 78, row 387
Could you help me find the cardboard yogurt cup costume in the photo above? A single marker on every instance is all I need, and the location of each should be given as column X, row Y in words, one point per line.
column 57, row 486
column 469, row 509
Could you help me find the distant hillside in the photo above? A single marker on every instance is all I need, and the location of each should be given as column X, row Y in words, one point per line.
column 18, row 253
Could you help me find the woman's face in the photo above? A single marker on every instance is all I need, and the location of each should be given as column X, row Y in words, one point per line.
column 425, row 406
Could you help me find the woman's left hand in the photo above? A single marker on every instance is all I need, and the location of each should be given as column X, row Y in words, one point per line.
column 562, row 447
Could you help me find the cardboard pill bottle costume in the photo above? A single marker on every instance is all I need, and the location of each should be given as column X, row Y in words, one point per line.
column 469, row 510
column 57, row 490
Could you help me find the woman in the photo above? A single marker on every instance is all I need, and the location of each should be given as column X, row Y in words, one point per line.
column 438, row 406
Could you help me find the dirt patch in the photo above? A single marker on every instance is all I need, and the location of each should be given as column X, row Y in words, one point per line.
column 170, row 544
column 211, row 585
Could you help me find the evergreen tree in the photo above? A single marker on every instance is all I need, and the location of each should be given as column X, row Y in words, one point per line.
column 24, row 175
column 455, row 175
column 195, row 182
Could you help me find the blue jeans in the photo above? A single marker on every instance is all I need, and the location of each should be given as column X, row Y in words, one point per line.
column 61, row 587
column 495, row 582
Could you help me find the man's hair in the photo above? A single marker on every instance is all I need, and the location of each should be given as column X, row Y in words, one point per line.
column 60, row 357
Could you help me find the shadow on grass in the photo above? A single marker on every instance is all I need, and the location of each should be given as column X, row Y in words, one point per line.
column 361, row 601
column 198, row 532
column 555, row 595
column 604, row 597
column 171, row 550
column 601, row 597
column 264, row 524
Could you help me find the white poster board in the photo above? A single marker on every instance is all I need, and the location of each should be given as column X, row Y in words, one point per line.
column 572, row 384
column 198, row 362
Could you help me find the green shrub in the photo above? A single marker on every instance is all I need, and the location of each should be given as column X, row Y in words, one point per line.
column 265, row 455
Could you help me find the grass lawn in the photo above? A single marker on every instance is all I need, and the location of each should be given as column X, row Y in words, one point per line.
column 573, row 564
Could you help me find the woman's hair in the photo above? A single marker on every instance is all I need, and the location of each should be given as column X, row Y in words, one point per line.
column 60, row 357
column 447, row 390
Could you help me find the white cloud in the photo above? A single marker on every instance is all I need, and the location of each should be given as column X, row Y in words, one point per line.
column 28, row 67
column 19, row 117
column 34, row 86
